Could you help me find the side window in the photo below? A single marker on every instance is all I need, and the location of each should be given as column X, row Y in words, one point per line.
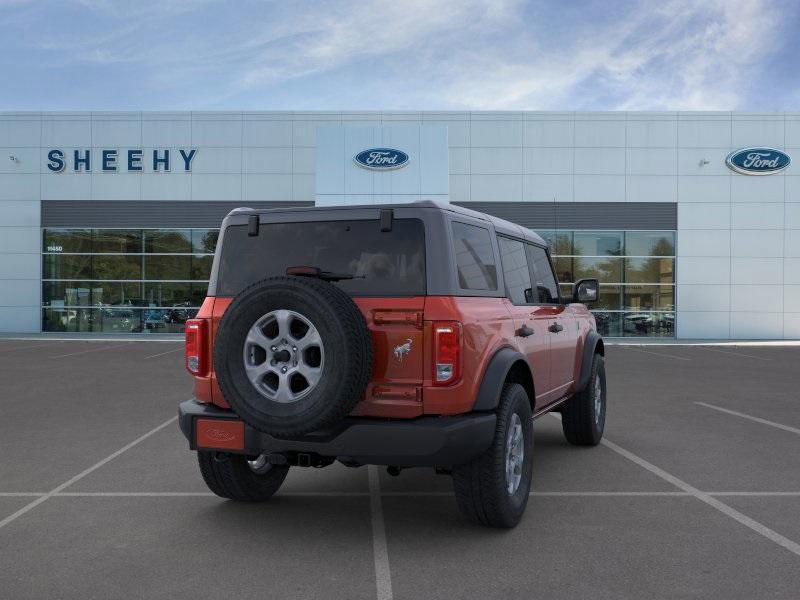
column 474, row 257
column 542, row 272
column 515, row 270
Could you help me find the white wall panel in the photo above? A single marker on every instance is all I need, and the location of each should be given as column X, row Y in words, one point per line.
column 267, row 133
column 705, row 270
column 56, row 133
column 303, row 160
column 704, row 215
column 495, row 133
column 757, row 325
column 268, row 160
column 692, row 161
column 19, row 186
column 703, row 325
column 599, row 188
column 792, row 243
column 166, row 186
column 66, row 186
column 20, row 213
column 757, row 189
column 600, row 161
column 19, row 133
column 766, row 271
column 18, row 292
column 116, row 186
column 547, row 188
column 757, row 215
column 703, row 297
column 595, row 134
column 791, row 326
column 791, row 271
column 662, row 133
column 545, row 133
column 116, row 134
column 652, row 161
column 303, row 187
column 548, row 161
column 761, row 132
column 19, row 266
column 166, row 133
column 18, row 239
column 267, row 187
column 767, row 298
column 27, row 159
column 496, row 161
column 651, row 188
column 216, row 160
column 756, row 243
column 459, row 188
column 216, row 187
column 19, row 319
column 496, row 188
column 704, row 188
column 704, row 242
column 217, row 133
column 704, row 134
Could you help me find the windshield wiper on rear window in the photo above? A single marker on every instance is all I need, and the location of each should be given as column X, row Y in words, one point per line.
column 303, row 271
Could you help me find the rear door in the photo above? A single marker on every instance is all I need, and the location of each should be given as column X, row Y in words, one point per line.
column 531, row 328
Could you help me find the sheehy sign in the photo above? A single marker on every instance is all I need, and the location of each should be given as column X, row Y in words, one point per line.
column 111, row 161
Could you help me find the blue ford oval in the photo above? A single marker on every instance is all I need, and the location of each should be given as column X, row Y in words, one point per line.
column 381, row 159
column 758, row 161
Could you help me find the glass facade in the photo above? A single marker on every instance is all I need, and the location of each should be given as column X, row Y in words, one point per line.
column 124, row 280
column 636, row 270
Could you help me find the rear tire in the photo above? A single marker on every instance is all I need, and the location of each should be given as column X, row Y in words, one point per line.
column 583, row 417
column 483, row 487
column 230, row 476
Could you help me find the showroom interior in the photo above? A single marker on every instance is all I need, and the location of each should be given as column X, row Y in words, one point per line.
column 109, row 220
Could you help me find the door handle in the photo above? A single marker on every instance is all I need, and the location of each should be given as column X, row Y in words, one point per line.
column 555, row 328
column 525, row 331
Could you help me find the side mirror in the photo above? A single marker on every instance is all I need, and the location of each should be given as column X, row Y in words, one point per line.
column 586, row 291
column 529, row 295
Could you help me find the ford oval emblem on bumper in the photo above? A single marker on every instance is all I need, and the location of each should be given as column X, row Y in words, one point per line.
column 758, row 161
column 381, row 159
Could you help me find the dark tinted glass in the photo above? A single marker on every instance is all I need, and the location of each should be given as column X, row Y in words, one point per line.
column 648, row 324
column 204, row 241
column 515, row 270
column 201, row 267
column 168, row 240
column 388, row 263
column 67, row 240
column 474, row 257
column 649, row 270
column 57, row 266
column 117, row 267
column 168, row 267
column 563, row 267
column 91, row 293
column 544, row 280
column 607, row 270
column 609, row 324
column 650, row 243
column 117, row 240
column 649, row 297
column 598, row 243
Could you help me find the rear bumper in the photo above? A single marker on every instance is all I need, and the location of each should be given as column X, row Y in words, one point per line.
column 425, row 441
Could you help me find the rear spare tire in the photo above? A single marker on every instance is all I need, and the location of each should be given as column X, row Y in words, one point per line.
column 292, row 355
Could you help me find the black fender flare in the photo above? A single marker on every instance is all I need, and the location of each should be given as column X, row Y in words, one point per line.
column 495, row 375
column 593, row 345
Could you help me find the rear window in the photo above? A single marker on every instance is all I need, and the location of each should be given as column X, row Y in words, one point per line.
column 474, row 257
column 390, row 263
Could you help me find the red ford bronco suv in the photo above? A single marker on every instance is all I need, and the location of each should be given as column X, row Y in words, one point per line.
column 406, row 335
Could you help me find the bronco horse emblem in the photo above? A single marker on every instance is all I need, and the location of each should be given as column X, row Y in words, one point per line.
column 401, row 350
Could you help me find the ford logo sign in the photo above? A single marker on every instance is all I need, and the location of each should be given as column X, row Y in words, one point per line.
column 758, row 161
column 381, row 159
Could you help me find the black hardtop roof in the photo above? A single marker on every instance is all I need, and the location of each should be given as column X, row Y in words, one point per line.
column 500, row 225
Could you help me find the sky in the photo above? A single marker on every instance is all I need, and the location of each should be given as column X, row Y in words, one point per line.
column 400, row 55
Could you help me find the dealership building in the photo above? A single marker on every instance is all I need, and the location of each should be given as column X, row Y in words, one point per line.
column 690, row 220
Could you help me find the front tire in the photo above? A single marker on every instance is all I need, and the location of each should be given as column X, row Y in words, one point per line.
column 493, row 489
column 583, row 417
column 232, row 476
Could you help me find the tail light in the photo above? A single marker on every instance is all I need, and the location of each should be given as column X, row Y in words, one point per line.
column 197, row 346
column 446, row 352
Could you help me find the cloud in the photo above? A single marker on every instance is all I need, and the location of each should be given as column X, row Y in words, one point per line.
column 450, row 54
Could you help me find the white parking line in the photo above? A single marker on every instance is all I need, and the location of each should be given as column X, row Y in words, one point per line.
column 734, row 514
column 31, row 505
column 87, row 351
column 383, row 576
column 163, row 353
column 740, row 354
column 751, row 418
column 657, row 353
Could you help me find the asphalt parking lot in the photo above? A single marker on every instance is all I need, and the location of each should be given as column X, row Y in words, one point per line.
column 694, row 494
